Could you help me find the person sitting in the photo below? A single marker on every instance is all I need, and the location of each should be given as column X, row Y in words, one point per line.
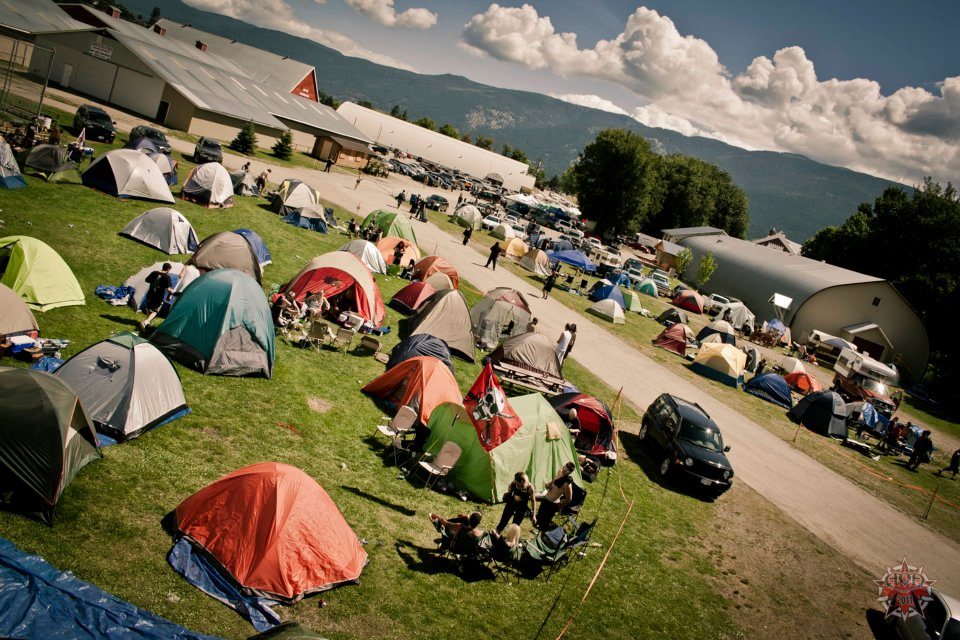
column 398, row 252
column 316, row 305
column 589, row 468
column 573, row 422
column 459, row 529
column 407, row 273
column 506, row 547
column 352, row 228
column 287, row 310
column 558, row 495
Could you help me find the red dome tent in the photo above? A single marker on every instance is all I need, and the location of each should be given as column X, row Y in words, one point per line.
column 274, row 531
column 675, row 338
column 690, row 300
column 424, row 268
column 803, row 383
column 413, row 296
column 596, row 435
column 344, row 280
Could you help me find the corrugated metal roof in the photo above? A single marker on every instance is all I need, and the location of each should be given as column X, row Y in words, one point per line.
column 679, row 234
column 37, row 17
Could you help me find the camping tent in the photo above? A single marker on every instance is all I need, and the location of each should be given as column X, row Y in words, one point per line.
column 367, row 253
column 292, row 195
column 392, row 224
column 738, row 315
column 632, row 300
column 15, row 318
column 164, row 229
column 620, row 279
column 144, row 145
column 677, row 337
column 596, row 437
column 803, row 383
column 514, row 247
column 125, row 173
column 242, row 183
column 10, row 177
column 45, row 438
column 37, row 274
column 537, row 262
column 690, row 300
column 540, row 447
column 447, row 317
column 532, row 350
column 409, row 299
column 497, row 311
column 468, row 216
column 673, row 316
column 313, row 217
column 561, row 245
column 208, row 185
column 220, row 325
column 425, row 267
column 720, row 328
column 274, row 531
column 823, row 412
column 723, row 362
column 167, row 166
column 420, row 345
column 388, row 247
column 227, row 250
column 337, row 273
column 125, row 385
column 422, row 383
column 648, row 287
column 258, row 245
column 792, row 365
column 574, row 258
column 772, row 388
column 48, row 161
column 180, row 274
column 601, row 291
column 439, row 281
column 609, row 310
column 503, row 231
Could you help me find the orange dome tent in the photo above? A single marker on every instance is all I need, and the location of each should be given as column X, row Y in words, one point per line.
column 803, row 383
column 387, row 246
column 274, row 530
column 423, row 383
column 431, row 264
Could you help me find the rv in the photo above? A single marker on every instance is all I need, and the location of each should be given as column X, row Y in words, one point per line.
column 861, row 378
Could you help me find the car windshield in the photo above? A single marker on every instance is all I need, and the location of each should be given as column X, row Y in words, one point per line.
column 700, row 436
column 874, row 387
column 153, row 134
column 212, row 145
column 99, row 117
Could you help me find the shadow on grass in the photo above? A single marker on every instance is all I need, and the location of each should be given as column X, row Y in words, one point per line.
column 132, row 322
column 648, row 457
column 380, row 501
column 428, row 561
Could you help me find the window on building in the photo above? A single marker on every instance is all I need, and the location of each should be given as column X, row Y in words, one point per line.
column 876, row 302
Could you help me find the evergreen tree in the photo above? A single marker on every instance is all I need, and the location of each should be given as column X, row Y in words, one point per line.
column 246, row 140
column 395, row 111
column 283, row 148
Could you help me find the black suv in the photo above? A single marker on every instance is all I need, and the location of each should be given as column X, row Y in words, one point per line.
column 691, row 441
column 207, row 150
column 96, row 121
column 143, row 131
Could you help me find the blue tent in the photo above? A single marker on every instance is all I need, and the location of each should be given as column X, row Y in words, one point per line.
column 257, row 244
column 10, row 177
column 573, row 258
column 777, row 325
column 562, row 245
column 772, row 388
column 620, row 279
column 608, row 292
column 420, row 344
column 306, row 220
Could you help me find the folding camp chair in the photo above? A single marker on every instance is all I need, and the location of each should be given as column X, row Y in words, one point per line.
column 320, row 334
column 463, row 549
column 398, row 428
column 369, row 343
column 553, row 549
column 442, row 464
column 341, row 341
column 584, row 285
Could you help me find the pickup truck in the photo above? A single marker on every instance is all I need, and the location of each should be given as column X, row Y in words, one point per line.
column 663, row 282
column 713, row 302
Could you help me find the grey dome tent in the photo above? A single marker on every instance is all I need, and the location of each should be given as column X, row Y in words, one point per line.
column 181, row 274
column 420, row 345
column 125, row 385
column 673, row 316
column 163, row 228
column 313, row 217
column 242, row 183
column 227, row 250
column 447, row 317
column 531, row 350
column 293, row 195
column 208, row 185
column 48, row 161
column 468, row 216
column 367, row 253
column 10, row 177
column 126, row 173
column 45, row 439
column 15, row 317
column 824, row 412
column 493, row 314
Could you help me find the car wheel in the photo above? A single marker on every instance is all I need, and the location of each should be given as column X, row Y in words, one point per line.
column 642, row 434
column 665, row 467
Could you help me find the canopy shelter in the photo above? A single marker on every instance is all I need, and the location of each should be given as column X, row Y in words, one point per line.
column 221, row 325
column 256, row 243
column 344, row 281
column 503, row 232
column 15, row 317
column 532, row 351
column 292, row 195
column 501, row 313
column 719, row 328
column 422, row 383
column 420, row 345
column 163, row 228
column 425, row 267
column 125, row 173
column 601, row 291
column 722, row 362
column 313, row 217
column 413, row 296
column 514, row 247
column 446, row 316
column 227, row 250
column 803, row 383
column 167, row 166
column 540, row 447
column 125, row 385
column 738, row 315
column 677, row 338
column 609, row 310
column 648, row 287
column 37, row 274
column 468, row 216
column 272, row 530
column 772, row 388
column 10, row 176
column 180, row 274
column 574, row 258
column 49, row 162
column 689, row 300
column 596, row 437
column 537, row 262
column 208, row 185
column 367, row 253
column 673, row 316
column 391, row 224
column 243, row 184
column 45, row 439
column 823, row 412
column 388, row 249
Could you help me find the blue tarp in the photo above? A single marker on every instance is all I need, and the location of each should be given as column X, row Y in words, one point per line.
column 257, row 244
column 47, row 363
column 38, row 601
column 574, row 258
column 772, row 388
column 608, row 292
column 114, row 295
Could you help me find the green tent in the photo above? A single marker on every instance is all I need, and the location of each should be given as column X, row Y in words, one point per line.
column 648, row 286
column 540, row 447
column 220, row 325
column 37, row 274
column 392, row 224
column 45, row 439
column 632, row 301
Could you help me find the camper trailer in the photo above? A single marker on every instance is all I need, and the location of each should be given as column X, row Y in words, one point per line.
column 860, row 377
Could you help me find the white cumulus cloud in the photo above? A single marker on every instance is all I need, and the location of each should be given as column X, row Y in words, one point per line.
column 383, row 12
column 777, row 103
column 589, row 100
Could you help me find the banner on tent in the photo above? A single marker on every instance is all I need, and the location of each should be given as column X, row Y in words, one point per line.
column 490, row 411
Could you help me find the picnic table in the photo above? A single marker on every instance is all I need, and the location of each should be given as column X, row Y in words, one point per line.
column 538, row 381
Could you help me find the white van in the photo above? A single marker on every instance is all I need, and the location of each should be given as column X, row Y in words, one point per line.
column 567, row 228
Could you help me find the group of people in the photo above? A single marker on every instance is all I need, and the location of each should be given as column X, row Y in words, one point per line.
column 370, row 232
column 29, row 136
column 292, row 314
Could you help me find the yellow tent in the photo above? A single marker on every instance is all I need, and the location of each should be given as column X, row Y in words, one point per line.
column 723, row 362
column 514, row 247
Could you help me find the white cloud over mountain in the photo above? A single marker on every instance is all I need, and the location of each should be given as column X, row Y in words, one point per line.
column 383, row 12
column 777, row 103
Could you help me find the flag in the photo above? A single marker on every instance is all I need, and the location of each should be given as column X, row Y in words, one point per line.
column 82, row 138
column 490, row 411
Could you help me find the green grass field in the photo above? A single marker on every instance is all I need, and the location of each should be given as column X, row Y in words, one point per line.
column 655, row 584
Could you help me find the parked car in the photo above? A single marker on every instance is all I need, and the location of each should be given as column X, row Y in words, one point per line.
column 510, row 219
column 143, row 131
column 96, row 121
column 381, row 149
column 690, row 442
column 437, row 203
column 490, row 223
column 207, row 150
column 940, row 620
column 595, row 243
column 520, row 231
column 632, row 263
column 635, row 275
column 662, row 282
column 713, row 302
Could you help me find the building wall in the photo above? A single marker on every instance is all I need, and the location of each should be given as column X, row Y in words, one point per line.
column 136, row 91
column 180, row 113
column 225, row 128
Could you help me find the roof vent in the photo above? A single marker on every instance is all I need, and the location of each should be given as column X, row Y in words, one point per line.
column 158, row 29
column 202, row 46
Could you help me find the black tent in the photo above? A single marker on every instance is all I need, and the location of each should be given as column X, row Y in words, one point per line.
column 421, row 344
column 672, row 316
column 824, row 412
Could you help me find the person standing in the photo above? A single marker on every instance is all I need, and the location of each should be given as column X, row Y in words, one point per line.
column 328, row 165
column 262, row 182
column 921, row 451
column 563, row 342
column 573, row 340
column 954, row 466
column 160, row 285
column 548, row 284
column 459, row 200
column 519, row 494
column 398, row 252
column 466, row 235
column 357, row 183
column 494, row 254
column 401, row 198
column 532, row 325
column 559, row 494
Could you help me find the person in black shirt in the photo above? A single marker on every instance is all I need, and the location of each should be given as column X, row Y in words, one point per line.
column 160, row 285
column 519, row 495
column 494, row 254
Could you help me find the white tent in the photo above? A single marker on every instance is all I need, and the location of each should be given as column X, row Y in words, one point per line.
column 368, row 254
column 503, row 231
column 127, row 173
column 468, row 216
column 739, row 315
column 167, row 167
column 163, row 228
column 792, row 365
column 185, row 274
column 608, row 310
column 209, row 185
